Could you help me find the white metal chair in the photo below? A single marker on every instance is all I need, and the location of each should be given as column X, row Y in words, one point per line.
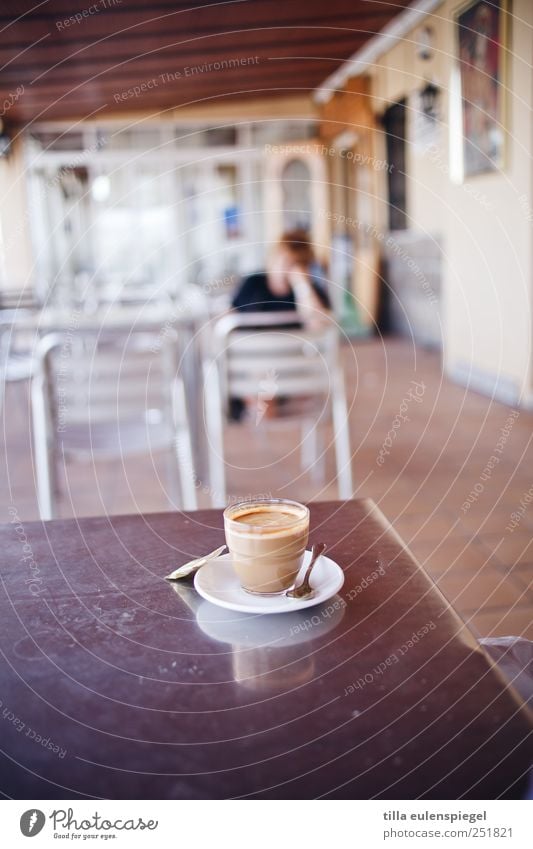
column 268, row 356
column 14, row 365
column 5, row 327
column 99, row 395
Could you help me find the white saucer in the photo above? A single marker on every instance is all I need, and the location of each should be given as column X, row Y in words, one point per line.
column 218, row 583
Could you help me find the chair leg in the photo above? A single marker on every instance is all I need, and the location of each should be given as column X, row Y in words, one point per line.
column 187, row 476
column 341, row 431
column 311, row 458
column 4, row 354
column 44, row 456
column 173, row 493
column 215, row 435
column 318, row 470
column 308, row 445
column 183, row 448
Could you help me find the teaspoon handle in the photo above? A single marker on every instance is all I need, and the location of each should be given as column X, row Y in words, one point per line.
column 316, row 551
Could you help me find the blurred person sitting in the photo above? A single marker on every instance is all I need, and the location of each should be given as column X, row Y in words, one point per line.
column 287, row 284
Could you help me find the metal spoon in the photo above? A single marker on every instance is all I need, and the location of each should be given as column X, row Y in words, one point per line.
column 193, row 565
column 305, row 589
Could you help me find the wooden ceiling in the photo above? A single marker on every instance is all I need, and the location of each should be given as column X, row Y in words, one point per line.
column 127, row 55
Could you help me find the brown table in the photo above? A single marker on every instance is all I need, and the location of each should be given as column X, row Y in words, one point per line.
column 116, row 685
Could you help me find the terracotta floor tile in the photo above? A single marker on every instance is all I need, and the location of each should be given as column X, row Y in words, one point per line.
column 453, row 555
column 502, row 623
column 486, row 588
column 492, row 522
column 510, row 548
column 426, row 527
column 523, row 574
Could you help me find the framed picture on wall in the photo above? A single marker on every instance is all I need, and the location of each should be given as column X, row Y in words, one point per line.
column 481, row 44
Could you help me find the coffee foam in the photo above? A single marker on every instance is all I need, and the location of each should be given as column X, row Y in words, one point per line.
column 240, row 528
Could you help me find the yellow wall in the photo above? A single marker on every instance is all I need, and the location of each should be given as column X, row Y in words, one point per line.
column 351, row 109
column 485, row 222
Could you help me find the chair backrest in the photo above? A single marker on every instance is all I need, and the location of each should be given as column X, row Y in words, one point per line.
column 97, row 377
column 271, row 356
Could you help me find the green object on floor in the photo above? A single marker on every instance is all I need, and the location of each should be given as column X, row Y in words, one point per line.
column 349, row 318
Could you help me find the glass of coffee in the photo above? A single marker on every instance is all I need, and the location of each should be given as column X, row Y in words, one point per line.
column 267, row 540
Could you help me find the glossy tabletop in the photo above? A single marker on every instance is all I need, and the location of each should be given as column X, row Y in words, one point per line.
column 118, row 684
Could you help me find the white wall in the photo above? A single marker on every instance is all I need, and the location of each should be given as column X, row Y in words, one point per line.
column 14, row 222
column 17, row 268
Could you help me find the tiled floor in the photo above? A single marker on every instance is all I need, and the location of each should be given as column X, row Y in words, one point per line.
column 439, row 451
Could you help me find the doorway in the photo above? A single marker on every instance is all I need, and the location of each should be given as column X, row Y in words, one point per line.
column 394, row 126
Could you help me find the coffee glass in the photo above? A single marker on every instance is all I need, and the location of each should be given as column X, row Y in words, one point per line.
column 267, row 540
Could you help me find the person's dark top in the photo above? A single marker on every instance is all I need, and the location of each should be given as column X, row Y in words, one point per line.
column 254, row 295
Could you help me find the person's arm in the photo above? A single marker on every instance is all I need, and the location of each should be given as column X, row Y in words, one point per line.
column 314, row 311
